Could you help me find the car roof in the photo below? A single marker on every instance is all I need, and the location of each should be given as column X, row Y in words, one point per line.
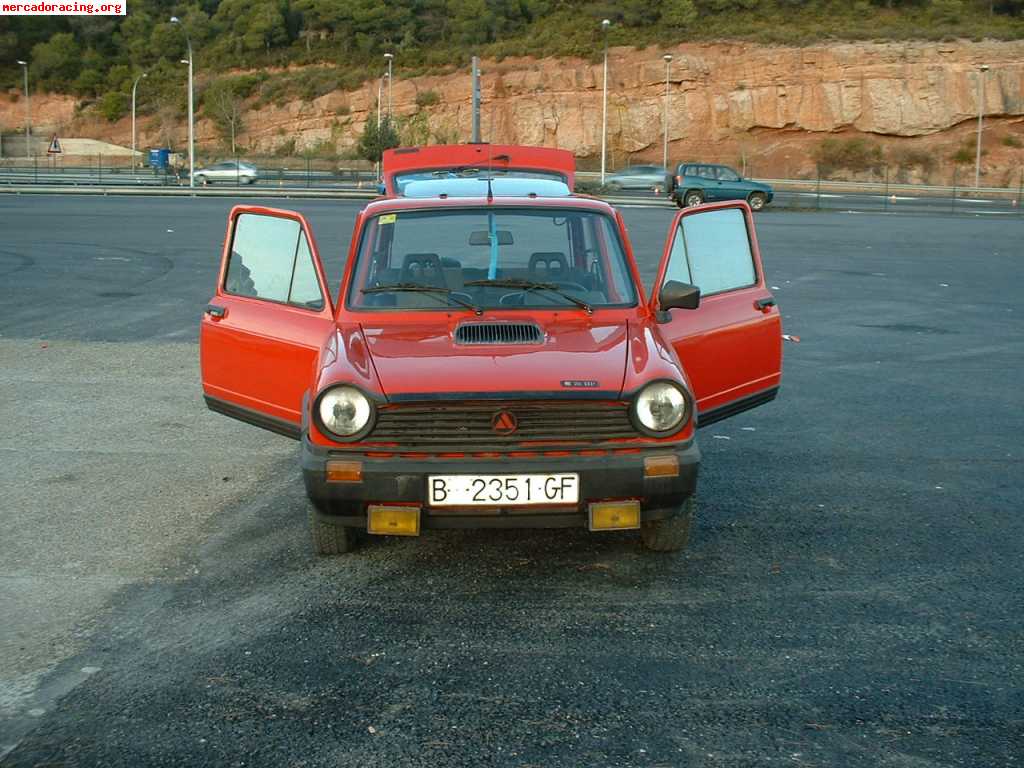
column 391, row 204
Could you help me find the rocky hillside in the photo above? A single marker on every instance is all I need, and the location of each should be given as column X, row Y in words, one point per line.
column 769, row 107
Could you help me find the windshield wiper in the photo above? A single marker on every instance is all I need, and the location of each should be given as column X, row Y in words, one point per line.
column 528, row 286
column 430, row 290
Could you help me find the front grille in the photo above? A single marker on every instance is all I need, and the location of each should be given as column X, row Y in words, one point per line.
column 498, row 333
column 469, row 425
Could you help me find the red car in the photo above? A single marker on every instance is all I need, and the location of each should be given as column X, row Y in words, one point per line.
column 490, row 359
column 452, row 161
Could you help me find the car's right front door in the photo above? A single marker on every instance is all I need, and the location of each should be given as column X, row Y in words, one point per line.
column 731, row 344
column 730, row 185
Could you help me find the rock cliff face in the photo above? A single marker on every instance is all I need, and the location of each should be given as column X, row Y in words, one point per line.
column 730, row 102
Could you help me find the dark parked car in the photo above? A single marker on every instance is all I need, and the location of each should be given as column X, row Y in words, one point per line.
column 696, row 183
column 639, row 177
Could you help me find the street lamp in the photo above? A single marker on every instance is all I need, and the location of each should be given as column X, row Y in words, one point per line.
column 981, row 108
column 134, row 86
column 664, row 152
column 28, row 114
column 389, row 57
column 191, row 129
column 604, row 100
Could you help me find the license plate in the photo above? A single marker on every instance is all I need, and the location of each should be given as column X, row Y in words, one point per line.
column 502, row 490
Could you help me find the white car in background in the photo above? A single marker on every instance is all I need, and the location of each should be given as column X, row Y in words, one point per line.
column 229, row 171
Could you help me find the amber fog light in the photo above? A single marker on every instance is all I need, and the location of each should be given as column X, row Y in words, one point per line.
column 393, row 521
column 344, row 471
column 661, row 466
column 614, row 515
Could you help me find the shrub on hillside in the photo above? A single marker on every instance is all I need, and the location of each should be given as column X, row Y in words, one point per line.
column 113, row 106
column 427, row 98
column 856, row 155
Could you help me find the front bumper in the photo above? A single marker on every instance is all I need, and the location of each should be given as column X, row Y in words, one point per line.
column 403, row 479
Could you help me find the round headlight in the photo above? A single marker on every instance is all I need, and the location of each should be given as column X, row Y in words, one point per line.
column 344, row 411
column 660, row 406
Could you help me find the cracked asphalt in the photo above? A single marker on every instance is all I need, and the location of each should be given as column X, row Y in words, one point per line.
column 852, row 597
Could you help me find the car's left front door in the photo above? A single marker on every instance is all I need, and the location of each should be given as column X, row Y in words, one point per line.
column 261, row 334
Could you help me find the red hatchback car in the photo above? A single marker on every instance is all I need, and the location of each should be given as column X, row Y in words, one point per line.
column 490, row 359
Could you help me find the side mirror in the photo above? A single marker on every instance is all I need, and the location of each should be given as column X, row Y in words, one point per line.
column 677, row 295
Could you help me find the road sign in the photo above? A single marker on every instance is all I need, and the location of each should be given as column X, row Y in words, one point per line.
column 54, row 148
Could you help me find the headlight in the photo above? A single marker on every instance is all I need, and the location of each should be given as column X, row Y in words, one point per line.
column 660, row 407
column 344, row 411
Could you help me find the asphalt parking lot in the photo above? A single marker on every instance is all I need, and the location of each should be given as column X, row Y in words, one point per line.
column 852, row 597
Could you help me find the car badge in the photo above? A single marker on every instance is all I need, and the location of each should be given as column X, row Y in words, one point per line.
column 504, row 423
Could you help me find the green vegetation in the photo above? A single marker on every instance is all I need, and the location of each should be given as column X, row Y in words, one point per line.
column 856, row 155
column 427, row 98
column 375, row 140
column 340, row 44
column 1012, row 141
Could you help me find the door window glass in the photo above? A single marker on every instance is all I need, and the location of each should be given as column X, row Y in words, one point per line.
column 715, row 248
column 727, row 174
column 271, row 259
column 305, row 286
column 706, row 172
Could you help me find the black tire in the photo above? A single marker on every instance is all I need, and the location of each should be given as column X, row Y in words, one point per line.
column 330, row 538
column 757, row 200
column 691, row 198
column 671, row 534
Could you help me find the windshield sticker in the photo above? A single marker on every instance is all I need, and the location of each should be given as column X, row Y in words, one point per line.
column 388, row 218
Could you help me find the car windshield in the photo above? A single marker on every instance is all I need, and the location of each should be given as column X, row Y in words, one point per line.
column 472, row 172
column 491, row 257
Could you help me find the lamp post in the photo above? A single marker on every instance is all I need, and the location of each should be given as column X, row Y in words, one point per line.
column 604, row 100
column 135, row 85
column 664, row 152
column 389, row 57
column 191, row 127
column 28, row 114
column 981, row 109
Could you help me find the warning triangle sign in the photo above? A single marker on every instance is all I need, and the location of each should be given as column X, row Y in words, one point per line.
column 54, row 148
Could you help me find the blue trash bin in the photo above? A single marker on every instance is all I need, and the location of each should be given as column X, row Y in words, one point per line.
column 159, row 158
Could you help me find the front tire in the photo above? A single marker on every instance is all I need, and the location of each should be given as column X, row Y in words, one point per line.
column 330, row 538
column 671, row 534
column 692, row 197
column 757, row 200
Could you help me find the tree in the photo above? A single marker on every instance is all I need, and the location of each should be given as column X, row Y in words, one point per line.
column 57, row 62
column 375, row 140
column 678, row 14
column 224, row 103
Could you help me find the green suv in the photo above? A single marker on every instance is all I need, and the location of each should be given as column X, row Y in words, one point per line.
column 696, row 183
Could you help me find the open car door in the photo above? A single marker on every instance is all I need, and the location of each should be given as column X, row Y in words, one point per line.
column 731, row 343
column 261, row 334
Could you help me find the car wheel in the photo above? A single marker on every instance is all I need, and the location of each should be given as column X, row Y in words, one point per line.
column 693, row 197
column 671, row 534
column 200, row 179
column 757, row 200
column 330, row 538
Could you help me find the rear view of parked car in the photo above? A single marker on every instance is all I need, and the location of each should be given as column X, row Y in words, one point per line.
column 697, row 183
column 231, row 172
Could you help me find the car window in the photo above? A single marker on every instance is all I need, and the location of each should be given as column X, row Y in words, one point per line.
column 271, row 259
column 578, row 251
column 706, row 171
column 713, row 249
column 727, row 174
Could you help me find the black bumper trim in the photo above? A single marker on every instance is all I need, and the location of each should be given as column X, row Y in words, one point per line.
column 397, row 480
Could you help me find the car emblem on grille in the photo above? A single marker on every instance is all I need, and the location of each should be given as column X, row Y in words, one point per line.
column 504, row 423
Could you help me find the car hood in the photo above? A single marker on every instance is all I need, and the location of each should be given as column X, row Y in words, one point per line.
column 577, row 358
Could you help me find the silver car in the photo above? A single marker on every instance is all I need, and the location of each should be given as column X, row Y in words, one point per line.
column 230, row 171
column 648, row 177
